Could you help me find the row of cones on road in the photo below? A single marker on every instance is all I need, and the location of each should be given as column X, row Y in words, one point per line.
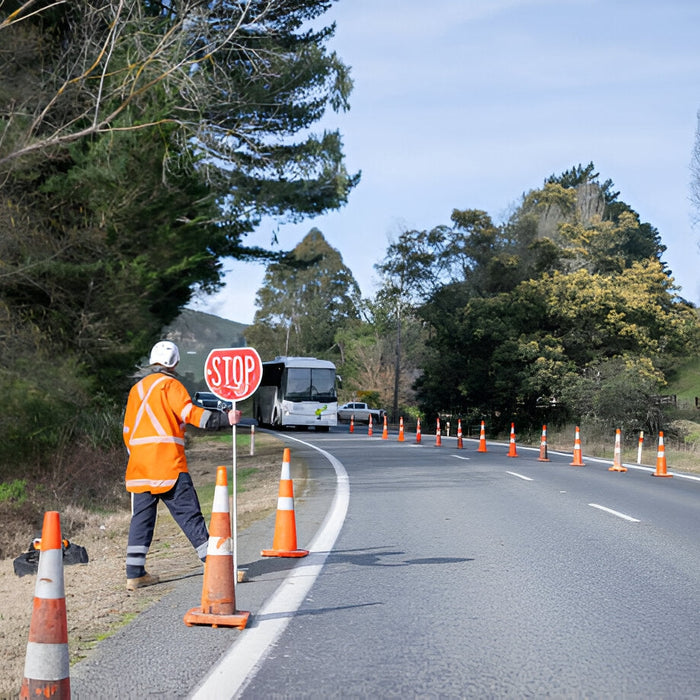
column 47, row 666
column 661, row 466
column 617, row 466
column 419, row 435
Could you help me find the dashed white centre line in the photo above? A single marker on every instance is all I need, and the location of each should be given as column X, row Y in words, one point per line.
column 520, row 476
column 614, row 512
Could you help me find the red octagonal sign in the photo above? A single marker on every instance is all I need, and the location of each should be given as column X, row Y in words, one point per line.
column 233, row 374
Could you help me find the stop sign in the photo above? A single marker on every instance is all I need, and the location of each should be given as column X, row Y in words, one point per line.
column 233, row 374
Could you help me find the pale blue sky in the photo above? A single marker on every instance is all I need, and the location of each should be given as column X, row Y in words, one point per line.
column 468, row 104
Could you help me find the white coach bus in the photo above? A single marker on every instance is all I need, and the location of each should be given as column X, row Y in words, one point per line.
column 297, row 392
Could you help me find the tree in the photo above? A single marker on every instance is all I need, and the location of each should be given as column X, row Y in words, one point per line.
column 306, row 297
column 139, row 144
column 407, row 274
column 695, row 173
column 572, row 283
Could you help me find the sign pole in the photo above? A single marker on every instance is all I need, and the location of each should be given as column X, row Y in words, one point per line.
column 234, row 508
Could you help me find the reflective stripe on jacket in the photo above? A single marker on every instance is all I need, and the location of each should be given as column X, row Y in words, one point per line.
column 154, row 432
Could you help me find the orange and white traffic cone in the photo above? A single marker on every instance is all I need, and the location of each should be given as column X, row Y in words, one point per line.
column 438, row 436
column 482, row 439
column 402, row 437
column 460, row 442
column 543, row 446
column 661, row 459
column 369, row 426
column 352, row 423
column 218, row 607
column 385, row 431
column 617, row 455
column 578, row 455
column 47, row 666
column 284, row 542
column 418, row 435
column 512, row 450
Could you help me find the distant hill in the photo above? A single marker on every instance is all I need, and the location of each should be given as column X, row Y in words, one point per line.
column 196, row 334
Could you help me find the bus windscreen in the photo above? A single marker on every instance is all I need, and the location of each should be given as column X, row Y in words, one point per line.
column 304, row 384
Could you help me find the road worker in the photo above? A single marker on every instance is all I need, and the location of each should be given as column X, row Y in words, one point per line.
column 157, row 410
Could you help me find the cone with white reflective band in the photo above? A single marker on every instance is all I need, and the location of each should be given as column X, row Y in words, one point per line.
column 284, row 542
column 369, row 426
column 352, row 423
column 218, row 608
column 482, row 439
column 543, row 446
column 401, row 433
column 617, row 455
column 578, row 455
column 661, row 459
column 47, row 666
column 438, row 435
column 512, row 449
column 460, row 442
column 418, row 434
column 385, row 430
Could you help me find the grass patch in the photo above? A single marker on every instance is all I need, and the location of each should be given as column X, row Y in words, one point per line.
column 14, row 492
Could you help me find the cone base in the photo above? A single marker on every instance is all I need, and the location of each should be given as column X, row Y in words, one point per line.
column 196, row 616
column 48, row 689
column 544, row 459
column 667, row 476
column 509, row 455
column 617, row 469
column 577, row 464
column 284, row 552
column 482, row 449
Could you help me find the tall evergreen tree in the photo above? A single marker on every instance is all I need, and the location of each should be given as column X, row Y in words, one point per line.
column 306, row 298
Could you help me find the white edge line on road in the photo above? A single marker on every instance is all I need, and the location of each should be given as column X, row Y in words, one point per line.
column 614, row 512
column 235, row 669
column 520, row 476
column 460, row 457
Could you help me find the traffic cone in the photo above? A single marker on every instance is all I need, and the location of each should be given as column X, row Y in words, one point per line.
column 617, row 457
column 385, row 431
column 369, row 426
column 218, row 607
column 401, row 433
column 578, row 459
column 284, row 542
column 418, row 435
column 543, row 446
column 482, row 439
column 661, row 459
column 352, row 423
column 460, row 443
column 512, row 451
column 46, row 666
column 438, row 436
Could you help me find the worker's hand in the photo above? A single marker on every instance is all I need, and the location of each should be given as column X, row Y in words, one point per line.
column 234, row 417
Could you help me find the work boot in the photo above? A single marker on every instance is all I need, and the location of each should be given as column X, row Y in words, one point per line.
column 141, row 582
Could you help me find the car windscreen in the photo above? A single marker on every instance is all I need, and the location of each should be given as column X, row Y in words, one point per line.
column 310, row 384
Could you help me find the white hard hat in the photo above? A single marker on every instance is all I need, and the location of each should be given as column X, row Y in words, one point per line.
column 165, row 353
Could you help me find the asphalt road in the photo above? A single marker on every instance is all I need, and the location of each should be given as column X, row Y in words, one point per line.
column 438, row 572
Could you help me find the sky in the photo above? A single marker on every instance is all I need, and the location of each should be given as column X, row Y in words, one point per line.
column 469, row 104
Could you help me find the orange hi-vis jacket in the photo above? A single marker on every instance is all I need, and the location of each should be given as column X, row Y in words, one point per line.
column 154, row 432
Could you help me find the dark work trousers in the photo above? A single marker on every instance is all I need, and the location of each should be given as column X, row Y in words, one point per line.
column 183, row 504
